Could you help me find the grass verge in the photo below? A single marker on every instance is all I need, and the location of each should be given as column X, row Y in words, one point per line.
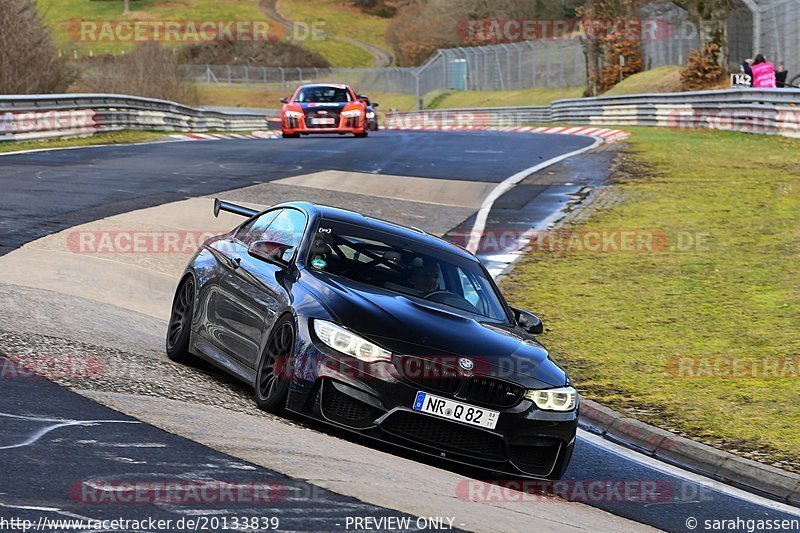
column 537, row 96
column 341, row 19
column 65, row 16
column 659, row 80
column 698, row 338
column 269, row 97
column 123, row 137
column 340, row 54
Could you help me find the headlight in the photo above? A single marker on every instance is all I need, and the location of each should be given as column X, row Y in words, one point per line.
column 343, row 341
column 353, row 113
column 294, row 114
column 370, row 114
column 562, row 399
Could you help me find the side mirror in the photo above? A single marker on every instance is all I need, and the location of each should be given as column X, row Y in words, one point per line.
column 528, row 321
column 375, row 104
column 284, row 100
column 271, row 252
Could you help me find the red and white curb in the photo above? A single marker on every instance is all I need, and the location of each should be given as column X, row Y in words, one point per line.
column 606, row 134
column 225, row 136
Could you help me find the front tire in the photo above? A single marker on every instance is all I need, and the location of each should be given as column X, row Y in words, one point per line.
column 274, row 373
column 180, row 323
column 290, row 135
column 363, row 134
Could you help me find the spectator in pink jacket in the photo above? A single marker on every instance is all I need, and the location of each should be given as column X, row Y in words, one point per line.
column 763, row 73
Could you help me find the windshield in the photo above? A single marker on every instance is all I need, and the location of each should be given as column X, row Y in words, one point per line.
column 323, row 94
column 393, row 263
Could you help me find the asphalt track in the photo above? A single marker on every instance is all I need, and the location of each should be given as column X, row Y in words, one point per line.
column 50, row 191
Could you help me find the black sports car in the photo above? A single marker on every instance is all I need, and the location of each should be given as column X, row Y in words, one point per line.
column 372, row 114
column 381, row 329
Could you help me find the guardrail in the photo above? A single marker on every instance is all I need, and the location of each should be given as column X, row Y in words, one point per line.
column 68, row 115
column 768, row 111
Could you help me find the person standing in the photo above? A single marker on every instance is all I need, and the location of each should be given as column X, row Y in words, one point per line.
column 748, row 69
column 780, row 76
column 763, row 73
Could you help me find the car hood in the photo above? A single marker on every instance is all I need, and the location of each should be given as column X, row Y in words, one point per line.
column 410, row 326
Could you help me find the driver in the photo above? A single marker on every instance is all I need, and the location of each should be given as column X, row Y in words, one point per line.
column 425, row 277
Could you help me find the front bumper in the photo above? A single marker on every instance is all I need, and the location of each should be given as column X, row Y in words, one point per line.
column 303, row 125
column 375, row 400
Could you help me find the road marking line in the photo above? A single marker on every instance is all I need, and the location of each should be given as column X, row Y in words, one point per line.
column 110, row 145
column 666, row 468
column 506, row 185
column 35, row 436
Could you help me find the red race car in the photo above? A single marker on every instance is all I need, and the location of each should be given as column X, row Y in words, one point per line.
column 323, row 108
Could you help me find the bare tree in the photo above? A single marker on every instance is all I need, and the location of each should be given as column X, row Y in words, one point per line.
column 711, row 18
column 612, row 49
column 148, row 70
column 29, row 61
column 126, row 7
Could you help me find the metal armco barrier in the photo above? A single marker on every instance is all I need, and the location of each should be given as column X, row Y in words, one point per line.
column 770, row 111
column 773, row 112
column 68, row 115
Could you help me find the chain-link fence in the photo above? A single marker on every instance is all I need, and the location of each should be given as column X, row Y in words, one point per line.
column 755, row 26
column 485, row 68
column 674, row 40
column 779, row 37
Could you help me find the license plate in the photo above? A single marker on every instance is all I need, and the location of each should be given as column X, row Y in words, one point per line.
column 323, row 121
column 453, row 410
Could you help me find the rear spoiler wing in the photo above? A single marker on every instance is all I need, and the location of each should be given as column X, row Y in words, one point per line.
column 220, row 205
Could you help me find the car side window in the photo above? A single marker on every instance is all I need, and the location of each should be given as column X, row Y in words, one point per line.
column 255, row 228
column 470, row 289
column 287, row 228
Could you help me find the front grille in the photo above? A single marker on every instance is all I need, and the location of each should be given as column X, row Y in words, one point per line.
column 491, row 391
column 535, row 460
column 337, row 405
column 310, row 118
column 445, row 435
column 292, row 123
column 430, row 375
